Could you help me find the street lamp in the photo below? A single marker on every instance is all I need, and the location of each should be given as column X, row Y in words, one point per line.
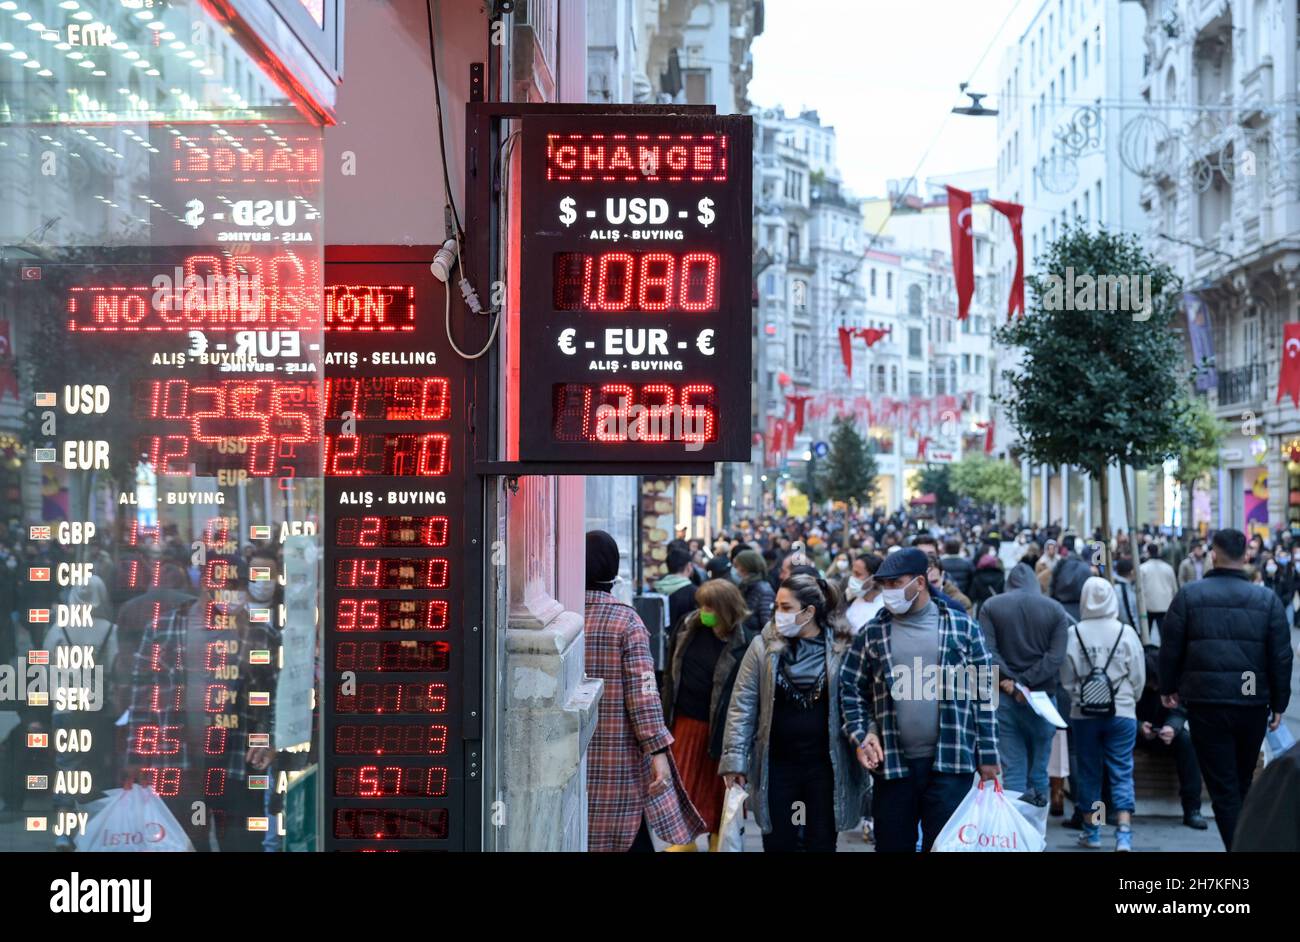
column 974, row 109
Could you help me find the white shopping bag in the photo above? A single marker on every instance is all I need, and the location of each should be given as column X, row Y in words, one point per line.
column 731, row 832
column 987, row 821
column 1034, row 814
column 133, row 820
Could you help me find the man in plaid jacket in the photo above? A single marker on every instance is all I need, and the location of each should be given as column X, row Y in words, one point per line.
column 918, row 697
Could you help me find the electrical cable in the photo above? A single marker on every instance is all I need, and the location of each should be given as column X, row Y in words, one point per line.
column 437, row 96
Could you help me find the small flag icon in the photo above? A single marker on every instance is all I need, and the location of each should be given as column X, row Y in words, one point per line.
column 31, row 273
column 46, row 400
column 259, row 782
column 259, row 616
column 38, row 782
column 46, row 455
column 259, row 740
column 38, row 574
column 35, row 698
column 38, row 657
column 38, row 616
column 259, row 532
column 259, row 574
column 259, row 657
column 38, row 532
column 258, row 824
column 36, row 824
column 256, row 698
column 38, row 740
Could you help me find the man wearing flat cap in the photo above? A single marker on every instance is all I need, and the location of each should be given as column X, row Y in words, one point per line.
column 632, row 784
column 918, row 696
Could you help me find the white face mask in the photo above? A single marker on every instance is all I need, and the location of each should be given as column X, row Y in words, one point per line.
column 856, row 585
column 896, row 600
column 261, row 591
column 1270, row 567
column 787, row 623
column 842, row 564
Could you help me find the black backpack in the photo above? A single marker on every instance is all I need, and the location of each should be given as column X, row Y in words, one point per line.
column 1096, row 692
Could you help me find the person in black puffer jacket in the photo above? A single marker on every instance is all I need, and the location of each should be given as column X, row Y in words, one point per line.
column 758, row 592
column 1226, row 656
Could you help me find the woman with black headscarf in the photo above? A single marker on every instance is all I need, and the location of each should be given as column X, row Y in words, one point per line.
column 631, row 779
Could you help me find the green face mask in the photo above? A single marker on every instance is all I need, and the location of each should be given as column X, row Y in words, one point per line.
column 708, row 619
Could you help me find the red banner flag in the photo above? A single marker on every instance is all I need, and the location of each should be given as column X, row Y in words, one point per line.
column 963, row 250
column 872, row 335
column 988, row 435
column 795, row 408
column 846, row 349
column 1288, row 380
column 1014, row 213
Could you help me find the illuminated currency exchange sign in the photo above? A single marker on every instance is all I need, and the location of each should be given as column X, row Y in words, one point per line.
column 636, row 288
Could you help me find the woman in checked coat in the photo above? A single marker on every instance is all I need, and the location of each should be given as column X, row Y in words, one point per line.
column 632, row 784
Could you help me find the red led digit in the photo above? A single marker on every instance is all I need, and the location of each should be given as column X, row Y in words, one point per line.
column 699, row 288
column 654, row 424
column 214, row 743
column 655, row 288
column 614, row 274
column 214, row 784
column 214, row 698
column 434, row 531
column 700, row 403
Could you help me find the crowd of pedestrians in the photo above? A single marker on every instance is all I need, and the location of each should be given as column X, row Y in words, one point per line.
column 864, row 672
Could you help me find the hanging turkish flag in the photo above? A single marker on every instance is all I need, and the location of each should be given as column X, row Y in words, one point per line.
column 963, row 250
column 795, row 408
column 921, row 444
column 872, row 335
column 789, row 436
column 775, row 435
column 846, row 349
column 988, row 435
column 1015, row 213
column 1288, row 380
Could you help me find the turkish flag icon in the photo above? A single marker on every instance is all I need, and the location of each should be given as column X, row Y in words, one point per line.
column 963, row 249
column 1288, row 380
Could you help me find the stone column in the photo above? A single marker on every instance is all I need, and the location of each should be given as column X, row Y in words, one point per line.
column 549, row 703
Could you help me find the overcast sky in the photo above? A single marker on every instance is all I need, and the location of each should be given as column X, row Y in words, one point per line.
column 885, row 74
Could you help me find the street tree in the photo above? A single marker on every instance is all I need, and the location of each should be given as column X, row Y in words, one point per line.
column 812, row 484
column 1101, row 379
column 851, row 468
column 1198, row 453
column 987, row 481
column 936, row 479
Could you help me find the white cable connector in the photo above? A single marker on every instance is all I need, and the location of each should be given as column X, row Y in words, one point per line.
column 471, row 296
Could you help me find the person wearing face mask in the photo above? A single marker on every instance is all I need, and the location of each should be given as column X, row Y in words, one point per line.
column 922, row 748
column 782, row 738
column 862, row 595
column 696, row 691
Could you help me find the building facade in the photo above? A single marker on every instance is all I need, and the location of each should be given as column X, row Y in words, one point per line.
column 1224, row 185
